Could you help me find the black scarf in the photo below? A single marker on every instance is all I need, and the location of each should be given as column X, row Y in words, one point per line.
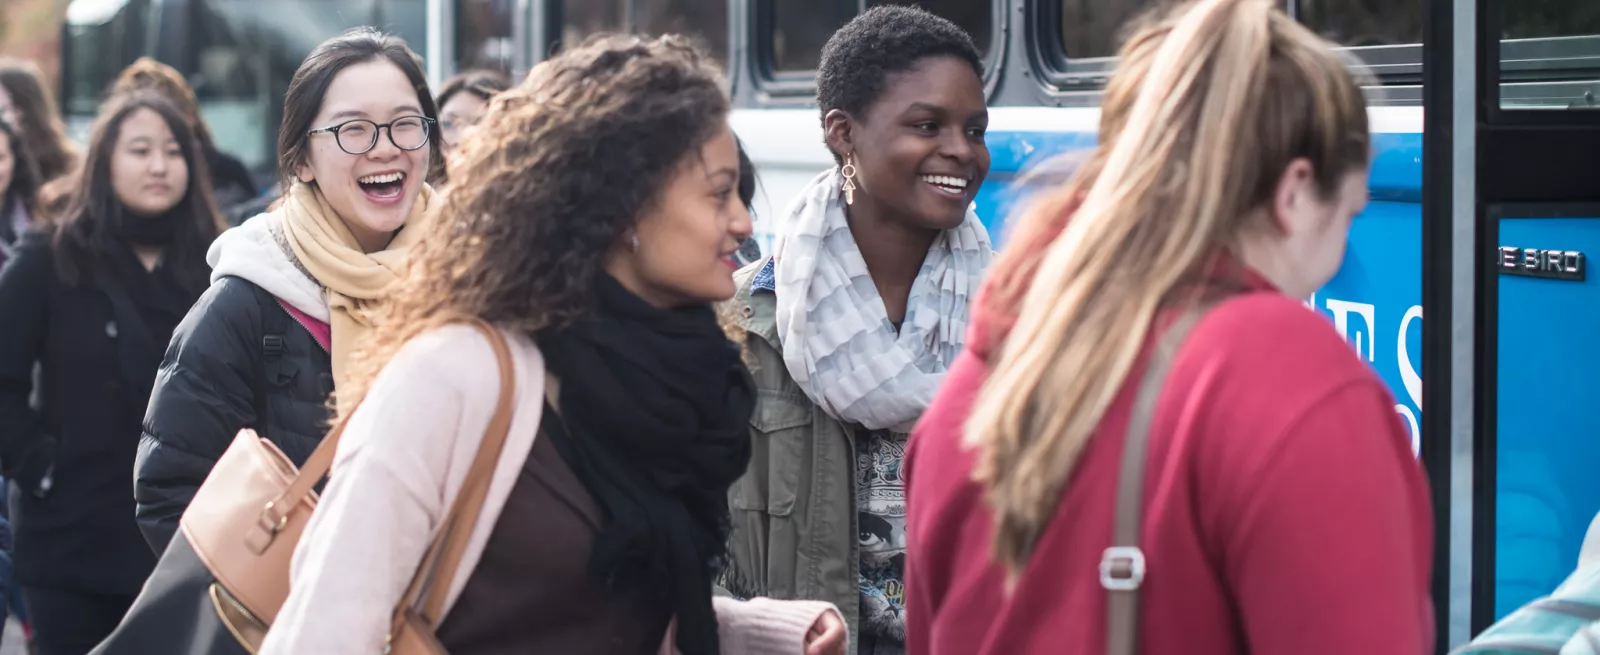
column 152, row 231
column 654, row 420
column 147, row 306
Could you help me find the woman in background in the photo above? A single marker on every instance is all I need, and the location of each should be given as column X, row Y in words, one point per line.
column 26, row 102
column 749, row 249
column 463, row 100
column 93, row 303
column 230, row 180
column 19, row 189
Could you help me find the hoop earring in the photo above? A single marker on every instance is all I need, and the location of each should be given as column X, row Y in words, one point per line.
column 849, row 173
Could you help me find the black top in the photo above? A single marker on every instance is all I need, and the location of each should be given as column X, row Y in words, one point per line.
column 97, row 345
column 532, row 593
column 230, row 180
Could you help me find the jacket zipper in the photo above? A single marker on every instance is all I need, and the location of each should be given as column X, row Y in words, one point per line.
column 302, row 324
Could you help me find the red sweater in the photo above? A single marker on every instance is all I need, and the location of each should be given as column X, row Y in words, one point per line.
column 1284, row 512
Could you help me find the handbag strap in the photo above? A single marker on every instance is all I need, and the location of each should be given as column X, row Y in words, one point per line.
column 431, row 583
column 1122, row 566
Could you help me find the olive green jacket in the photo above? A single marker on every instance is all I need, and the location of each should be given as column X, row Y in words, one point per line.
column 794, row 512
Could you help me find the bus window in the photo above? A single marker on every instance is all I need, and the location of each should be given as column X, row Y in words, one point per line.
column 483, row 34
column 1528, row 19
column 1550, row 55
column 1093, row 28
column 581, row 19
column 1364, row 22
column 974, row 16
column 101, row 38
column 407, row 19
column 706, row 20
column 799, row 29
column 240, row 54
column 228, row 85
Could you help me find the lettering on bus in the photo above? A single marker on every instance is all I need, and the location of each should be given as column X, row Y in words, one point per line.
column 1536, row 262
column 1357, row 322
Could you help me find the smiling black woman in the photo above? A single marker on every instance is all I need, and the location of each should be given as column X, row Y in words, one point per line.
column 856, row 316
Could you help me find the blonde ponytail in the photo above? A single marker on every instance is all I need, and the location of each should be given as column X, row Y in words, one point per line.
column 1209, row 105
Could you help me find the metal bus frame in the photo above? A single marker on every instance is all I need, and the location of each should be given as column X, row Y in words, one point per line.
column 1482, row 163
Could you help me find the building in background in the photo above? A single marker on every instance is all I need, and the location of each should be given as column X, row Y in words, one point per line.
column 31, row 29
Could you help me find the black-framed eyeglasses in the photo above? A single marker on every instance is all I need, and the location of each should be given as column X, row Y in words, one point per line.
column 359, row 136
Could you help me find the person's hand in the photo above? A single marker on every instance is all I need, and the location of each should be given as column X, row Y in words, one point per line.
column 828, row 635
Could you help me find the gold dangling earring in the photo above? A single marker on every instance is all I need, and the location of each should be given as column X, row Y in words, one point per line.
column 849, row 173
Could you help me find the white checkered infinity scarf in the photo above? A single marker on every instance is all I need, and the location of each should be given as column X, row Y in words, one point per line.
column 838, row 343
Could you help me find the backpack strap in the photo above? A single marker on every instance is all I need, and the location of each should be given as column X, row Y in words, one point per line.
column 1122, row 566
column 274, row 325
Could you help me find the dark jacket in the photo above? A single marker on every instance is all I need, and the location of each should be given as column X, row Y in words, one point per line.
column 97, row 359
column 230, row 180
column 238, row 360
column 795, row 520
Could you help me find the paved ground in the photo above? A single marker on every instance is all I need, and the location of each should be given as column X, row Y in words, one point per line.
column 12, row 643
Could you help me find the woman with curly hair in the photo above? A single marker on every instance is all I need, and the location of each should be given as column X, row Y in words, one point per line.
column 594, row 220
column 854, row 318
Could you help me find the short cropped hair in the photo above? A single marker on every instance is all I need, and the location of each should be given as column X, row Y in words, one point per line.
column 858, row 59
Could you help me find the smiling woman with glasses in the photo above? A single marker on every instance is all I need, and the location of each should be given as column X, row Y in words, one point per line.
column 293, row 289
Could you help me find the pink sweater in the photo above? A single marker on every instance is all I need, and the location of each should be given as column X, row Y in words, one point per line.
column 400, row 464
column 1283, row 509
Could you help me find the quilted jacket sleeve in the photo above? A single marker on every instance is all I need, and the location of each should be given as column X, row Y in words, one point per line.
column 203, row 396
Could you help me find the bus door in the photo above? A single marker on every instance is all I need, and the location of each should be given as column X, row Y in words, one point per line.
column 1511, row 227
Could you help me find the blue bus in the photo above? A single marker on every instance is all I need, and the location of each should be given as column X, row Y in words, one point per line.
column 1502, row 247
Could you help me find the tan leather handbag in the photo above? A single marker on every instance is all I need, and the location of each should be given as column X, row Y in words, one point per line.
column 248, row 515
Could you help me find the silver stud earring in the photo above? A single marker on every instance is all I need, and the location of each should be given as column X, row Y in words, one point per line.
column 633, row 239
column 849, row 173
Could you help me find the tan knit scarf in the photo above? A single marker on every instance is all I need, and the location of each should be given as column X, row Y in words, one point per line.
column 354, row 281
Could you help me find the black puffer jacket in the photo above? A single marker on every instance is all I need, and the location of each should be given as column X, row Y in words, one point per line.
column 237, row 345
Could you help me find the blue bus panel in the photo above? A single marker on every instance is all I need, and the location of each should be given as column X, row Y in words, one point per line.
column 1546, row 490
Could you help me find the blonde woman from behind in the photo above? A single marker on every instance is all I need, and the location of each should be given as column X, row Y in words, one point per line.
column 1282, row 510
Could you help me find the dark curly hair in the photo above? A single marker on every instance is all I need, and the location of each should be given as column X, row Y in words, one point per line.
column 558, row 172
column 858, row 59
